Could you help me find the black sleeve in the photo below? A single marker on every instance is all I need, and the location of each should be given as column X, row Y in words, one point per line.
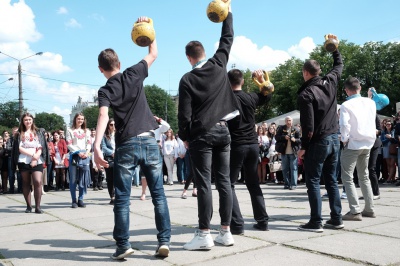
column 184, row 111
column 225, row 42
column 305, row 104
column 334, row 75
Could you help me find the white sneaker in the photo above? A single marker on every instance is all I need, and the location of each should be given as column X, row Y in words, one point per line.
column 225, row 238
column 200, row 240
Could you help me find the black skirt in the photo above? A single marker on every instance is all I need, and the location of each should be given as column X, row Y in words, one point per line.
column 23, row 167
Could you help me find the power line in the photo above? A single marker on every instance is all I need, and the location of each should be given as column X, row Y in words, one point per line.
column 59, row 80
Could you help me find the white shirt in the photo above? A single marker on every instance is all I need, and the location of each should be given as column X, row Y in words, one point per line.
column 181, row 150
column 357, row 123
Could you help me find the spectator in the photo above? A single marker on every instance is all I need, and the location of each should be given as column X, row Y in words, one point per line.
column 30, row 152
column 387, row 137
column 288, row 143
column 180, row 160
column 108, row 149
column 78, row 141
column 262, row 147
column 397, row 137
column 169, row 150
column 4, row 167
column 60, row 159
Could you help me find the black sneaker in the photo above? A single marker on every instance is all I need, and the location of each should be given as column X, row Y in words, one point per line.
column 262, row 226
column 317, row 228
column 330, row 224
column 237, row 231
column 74, row 205
column 121, row 254
column 81, row 204
column 162, row 251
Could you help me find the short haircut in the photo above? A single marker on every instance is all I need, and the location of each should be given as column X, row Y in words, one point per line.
column 352, row 84
column 312, row 67
column 195, row 49
column 235, row 77
column 108, row 60
column 288, row 118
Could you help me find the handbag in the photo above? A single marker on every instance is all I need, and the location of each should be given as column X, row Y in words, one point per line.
column 275, row 165
column 393, row 148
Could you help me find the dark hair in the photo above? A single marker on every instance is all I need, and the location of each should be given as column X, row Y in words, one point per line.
column 352, row 84
column 22, row 127
column 74, row 121
column 108, row 132
column 54, row 132
column 312, row 67
column 235, row 77
column 194, row 49
column 108, row 60
column 93, row 129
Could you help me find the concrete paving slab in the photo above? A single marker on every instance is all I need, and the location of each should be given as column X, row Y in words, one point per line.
column 390, row 229
column 98, row 256
column 364, row 248
column 276, row 255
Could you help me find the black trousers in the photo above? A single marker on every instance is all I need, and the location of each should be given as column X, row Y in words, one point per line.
column 246, row 156
column 373, row 156
column 212, row 149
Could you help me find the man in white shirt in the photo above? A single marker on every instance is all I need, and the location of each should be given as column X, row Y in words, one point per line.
column 358, row 134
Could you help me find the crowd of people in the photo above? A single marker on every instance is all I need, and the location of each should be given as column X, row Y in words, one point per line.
column 217, row 142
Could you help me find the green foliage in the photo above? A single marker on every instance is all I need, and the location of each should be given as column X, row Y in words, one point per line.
column 92, row 114
column 49, row 122
column 287, row 79
column 9, row 113
column 162, row 105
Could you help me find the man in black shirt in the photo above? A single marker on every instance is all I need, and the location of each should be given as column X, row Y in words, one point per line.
column 245, row 150
column 206, row 102
column 319, row 139
column 135, row 145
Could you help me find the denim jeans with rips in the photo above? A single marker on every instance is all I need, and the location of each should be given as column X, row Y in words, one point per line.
column 143, row 151
column 321, row 160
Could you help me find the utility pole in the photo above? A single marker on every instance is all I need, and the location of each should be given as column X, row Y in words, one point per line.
column 20, row 97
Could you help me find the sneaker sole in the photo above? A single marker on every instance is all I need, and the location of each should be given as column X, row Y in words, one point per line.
column 311, row 230
column 223, row 244
column 336, row 227
column 162, row 252
column 123, row 255
column 199, row 248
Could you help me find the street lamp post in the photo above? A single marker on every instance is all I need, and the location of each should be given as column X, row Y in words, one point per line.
column 6, row 80
column 20, row 97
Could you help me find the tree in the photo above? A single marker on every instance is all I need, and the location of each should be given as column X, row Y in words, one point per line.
column 287, row 79
column 92, row 113
column 9, row 114
column 162, row 105
column 49, row 122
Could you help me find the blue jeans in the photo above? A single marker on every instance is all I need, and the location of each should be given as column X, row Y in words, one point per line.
column 136, row 176
column 289, row 170
column 180, row 169
column 321, row 159
column 143, row 151
column 73, row 183
column 212, row 148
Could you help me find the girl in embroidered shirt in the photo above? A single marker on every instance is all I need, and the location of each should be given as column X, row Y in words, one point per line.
column 78, row 141
column 30, row 161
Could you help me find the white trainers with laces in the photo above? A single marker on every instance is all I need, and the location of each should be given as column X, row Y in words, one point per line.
column 201, row 240
column 225, row 238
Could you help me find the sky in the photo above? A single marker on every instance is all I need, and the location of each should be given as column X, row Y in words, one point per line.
column 72, row 33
